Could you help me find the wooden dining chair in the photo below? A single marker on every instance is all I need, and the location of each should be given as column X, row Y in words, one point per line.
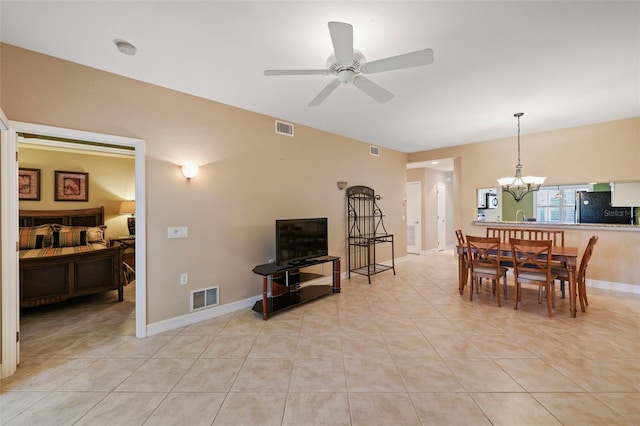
column 532, row 265
column 581, row 275
column 465, row 257
column 484, row 262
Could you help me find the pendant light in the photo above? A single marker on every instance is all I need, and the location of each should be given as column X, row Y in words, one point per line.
column 519, row 186
column 558, row 196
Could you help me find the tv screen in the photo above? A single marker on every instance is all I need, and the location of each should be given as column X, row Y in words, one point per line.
column 301, row 239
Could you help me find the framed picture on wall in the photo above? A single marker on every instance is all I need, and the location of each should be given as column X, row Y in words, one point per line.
column 29, row 184
column 71, row 186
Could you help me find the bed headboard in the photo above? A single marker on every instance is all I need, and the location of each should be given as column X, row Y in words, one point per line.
column 79, row 217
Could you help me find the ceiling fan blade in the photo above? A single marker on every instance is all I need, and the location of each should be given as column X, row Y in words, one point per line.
column 328, row 89
column 297, row 72
column 342, row 39
column 372, row 89
column 407, row 60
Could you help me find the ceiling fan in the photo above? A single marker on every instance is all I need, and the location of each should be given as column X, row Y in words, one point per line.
column 349, row 66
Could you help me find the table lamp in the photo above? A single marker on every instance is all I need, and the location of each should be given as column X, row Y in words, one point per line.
column 127, row 207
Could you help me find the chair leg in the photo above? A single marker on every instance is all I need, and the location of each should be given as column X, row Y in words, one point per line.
column 562, row 287
column 516, row 295
column 498, row 295
column 582, row 295
column 549, row 301
column 472, row 282
column 505, row 285
column 583, row 285
column 519, row 292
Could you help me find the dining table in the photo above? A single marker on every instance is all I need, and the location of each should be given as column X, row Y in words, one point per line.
column 567, row 255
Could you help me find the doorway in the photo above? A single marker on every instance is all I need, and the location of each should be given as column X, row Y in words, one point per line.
column 8, row 175
column 442, row 216
column 414, row 215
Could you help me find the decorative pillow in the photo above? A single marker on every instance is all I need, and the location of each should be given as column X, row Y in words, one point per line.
column 35, row 237
column 94, row 234
column 70, row 239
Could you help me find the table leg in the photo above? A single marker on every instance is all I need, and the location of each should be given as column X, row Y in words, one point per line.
column 264, row 297
column 462, row 272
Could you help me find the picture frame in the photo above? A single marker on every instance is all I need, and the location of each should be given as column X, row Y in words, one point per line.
column 28, row 184
column 71, row 186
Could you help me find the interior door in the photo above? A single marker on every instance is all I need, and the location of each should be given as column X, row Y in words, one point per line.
column 414, row 213
column 442, row 216
column 9, row 295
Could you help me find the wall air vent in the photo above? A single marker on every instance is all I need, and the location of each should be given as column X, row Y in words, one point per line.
column 204, row 298
column 283, row 128
column 374, row 150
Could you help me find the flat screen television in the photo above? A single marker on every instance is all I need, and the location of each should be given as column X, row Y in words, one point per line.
column 298, row 240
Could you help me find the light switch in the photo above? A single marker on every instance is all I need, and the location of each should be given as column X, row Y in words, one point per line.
column 177, row 232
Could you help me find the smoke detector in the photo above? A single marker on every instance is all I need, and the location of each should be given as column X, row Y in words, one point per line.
column 125, row 47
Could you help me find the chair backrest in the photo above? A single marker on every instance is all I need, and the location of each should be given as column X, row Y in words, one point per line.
column 556, row 236
column 505, row 234
column 484, row 251
column 586, row 256
column 531, row 256
column 460, row 237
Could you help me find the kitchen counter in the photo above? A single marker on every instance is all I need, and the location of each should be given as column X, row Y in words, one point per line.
column 549, row 225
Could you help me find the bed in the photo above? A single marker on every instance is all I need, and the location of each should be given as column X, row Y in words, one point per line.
column 64, row 254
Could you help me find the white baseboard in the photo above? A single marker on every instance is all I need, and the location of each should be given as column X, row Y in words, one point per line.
column 434, row 250
column 607, row 285
column 194, row 317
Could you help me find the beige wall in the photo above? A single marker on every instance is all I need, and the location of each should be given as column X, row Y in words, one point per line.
column 249, row 176
column 111, row 180
column 602, row 152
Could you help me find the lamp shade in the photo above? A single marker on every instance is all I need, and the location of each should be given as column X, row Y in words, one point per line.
column 127, row 207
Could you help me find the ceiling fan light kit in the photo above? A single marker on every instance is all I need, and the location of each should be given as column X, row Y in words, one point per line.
column 349, row 66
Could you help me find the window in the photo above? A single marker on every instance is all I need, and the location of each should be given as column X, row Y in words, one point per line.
column 557, row 204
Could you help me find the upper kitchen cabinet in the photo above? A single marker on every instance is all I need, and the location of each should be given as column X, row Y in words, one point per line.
column 624, row 194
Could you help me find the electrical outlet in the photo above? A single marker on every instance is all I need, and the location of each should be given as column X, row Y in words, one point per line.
column 184, row 279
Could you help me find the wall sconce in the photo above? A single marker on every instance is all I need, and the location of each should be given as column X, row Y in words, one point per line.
column 129, row 207
column 189, row 171
column 342, row 184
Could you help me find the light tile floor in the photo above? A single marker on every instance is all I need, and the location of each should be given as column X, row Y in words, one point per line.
column 404, row 350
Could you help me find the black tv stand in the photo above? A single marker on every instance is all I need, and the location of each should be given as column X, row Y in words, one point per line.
column 290, row 277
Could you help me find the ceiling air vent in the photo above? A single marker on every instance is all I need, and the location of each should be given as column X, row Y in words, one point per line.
column 374, row 150
column 204, row 298
column 283, row 128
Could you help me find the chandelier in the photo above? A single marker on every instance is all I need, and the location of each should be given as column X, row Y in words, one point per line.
column 519, row 186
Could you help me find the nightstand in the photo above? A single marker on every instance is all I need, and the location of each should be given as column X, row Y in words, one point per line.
column 128, row 244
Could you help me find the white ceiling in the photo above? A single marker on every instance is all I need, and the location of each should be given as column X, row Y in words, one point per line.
column 564, row 63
